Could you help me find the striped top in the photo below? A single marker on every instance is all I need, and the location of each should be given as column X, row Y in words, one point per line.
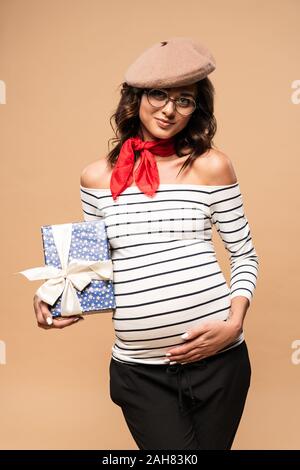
column 166, row 275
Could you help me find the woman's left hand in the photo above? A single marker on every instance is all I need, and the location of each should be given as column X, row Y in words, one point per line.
column 205, row 340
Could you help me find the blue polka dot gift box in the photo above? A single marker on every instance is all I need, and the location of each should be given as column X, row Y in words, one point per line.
column 78, row 270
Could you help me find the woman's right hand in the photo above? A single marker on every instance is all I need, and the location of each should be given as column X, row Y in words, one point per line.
column 45, row 319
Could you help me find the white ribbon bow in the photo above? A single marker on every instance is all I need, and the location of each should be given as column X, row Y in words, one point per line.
column 76, row 274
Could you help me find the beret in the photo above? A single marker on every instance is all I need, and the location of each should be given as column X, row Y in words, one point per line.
column 176, row 61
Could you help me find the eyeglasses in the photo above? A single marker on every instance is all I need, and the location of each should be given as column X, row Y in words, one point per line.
column 159, row 98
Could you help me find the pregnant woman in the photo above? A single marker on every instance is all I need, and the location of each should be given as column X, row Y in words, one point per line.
column 179, row 369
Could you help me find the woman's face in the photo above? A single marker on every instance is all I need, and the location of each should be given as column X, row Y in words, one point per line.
column 149, row 115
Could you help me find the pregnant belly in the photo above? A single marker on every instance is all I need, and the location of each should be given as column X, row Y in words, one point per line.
column 157, row 303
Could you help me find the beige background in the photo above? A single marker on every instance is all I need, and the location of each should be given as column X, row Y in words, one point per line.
column 62, row 62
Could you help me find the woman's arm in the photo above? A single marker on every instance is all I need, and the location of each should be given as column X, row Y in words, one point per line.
column 228, row 216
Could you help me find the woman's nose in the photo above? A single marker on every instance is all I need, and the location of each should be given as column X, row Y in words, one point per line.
column 169, row 107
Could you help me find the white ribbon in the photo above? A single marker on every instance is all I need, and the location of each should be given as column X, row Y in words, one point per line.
column 76, row 274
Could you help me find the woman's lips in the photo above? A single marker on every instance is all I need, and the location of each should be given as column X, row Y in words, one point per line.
column 163, row 124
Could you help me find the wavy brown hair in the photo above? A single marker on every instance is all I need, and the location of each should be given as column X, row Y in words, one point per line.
column 197, row 135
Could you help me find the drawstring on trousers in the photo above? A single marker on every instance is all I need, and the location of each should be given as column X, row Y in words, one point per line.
column 179, row 370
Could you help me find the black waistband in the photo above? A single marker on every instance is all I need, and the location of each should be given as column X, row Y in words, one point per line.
column 188, row 364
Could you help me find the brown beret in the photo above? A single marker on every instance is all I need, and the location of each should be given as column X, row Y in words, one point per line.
column 174, row 62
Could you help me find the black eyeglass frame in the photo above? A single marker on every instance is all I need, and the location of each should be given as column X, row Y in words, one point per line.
column 147, row 91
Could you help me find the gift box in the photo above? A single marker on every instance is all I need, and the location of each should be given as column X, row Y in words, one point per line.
column 78, row 269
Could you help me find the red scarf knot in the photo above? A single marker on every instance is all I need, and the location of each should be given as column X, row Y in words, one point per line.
column 146, row 174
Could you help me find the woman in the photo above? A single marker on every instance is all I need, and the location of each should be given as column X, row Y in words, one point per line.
column 180, row 369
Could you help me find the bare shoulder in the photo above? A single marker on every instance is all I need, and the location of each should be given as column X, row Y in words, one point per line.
column 216, row 168
column 96, row 174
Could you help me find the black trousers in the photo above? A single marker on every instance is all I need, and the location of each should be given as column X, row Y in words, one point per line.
column 183, row 406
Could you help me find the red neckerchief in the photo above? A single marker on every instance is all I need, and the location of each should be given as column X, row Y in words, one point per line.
column 146, row 174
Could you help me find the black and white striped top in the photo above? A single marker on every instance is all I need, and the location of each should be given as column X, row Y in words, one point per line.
column 166, row 275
